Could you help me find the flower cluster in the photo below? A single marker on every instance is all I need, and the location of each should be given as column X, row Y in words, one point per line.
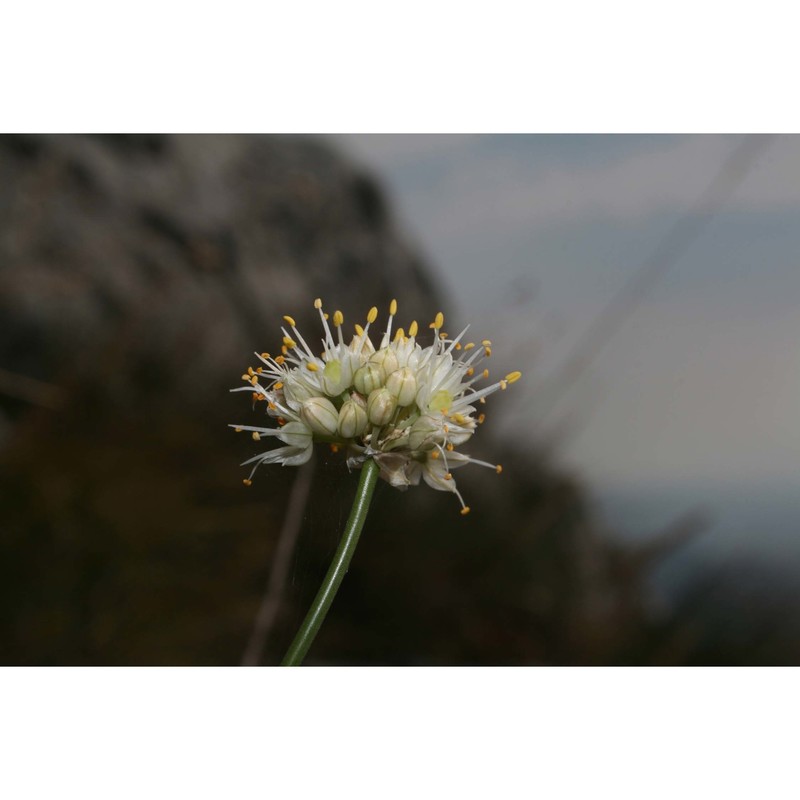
column 405, row 406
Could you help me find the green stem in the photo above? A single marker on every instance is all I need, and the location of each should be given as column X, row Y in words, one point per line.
column 336, row 572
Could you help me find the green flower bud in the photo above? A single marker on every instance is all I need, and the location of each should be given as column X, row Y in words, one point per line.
column 369, row 378
column 320, row 415
column 387, row 359
column 380, row 407
column 403, row 385
column 352, row 419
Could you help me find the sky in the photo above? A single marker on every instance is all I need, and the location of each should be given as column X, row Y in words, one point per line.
column 532, row 237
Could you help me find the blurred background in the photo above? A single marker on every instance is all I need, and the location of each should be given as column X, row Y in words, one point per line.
column 647, row 287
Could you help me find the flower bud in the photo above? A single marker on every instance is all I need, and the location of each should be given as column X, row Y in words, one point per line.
column 352, row 419
column 386, row 358
column 403, row 385
column 369, row 378
column 380, row 407
column 320, row 415
column 424, row 433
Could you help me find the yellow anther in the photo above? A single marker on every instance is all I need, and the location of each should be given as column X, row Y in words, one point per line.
column 458, row 345
column 250, row 371
column 338, row 318
column 482, row 400
column 448, row 476
column 237, row 430
column 334, row 448
column 450, row 448
column 359, row 330
column 438, row 321
column 469, row 346
column 289, row 342
column 318, row 303
column 265, row 356
column 256, row 397
column 279, row 360
column 277, row 386
column 413, row 328
column 271, row 406
column 256, row 436
column 326, row 317
column 284, row 350
column 435, row 454
column 487, row 352
column 487, row 342
column 465, row 511
column 399, row 334
column 393, row 307
column 503, row 385
column 513, row 377
column 247, row 482
column 246, row 377
column 254, row 380
column 499, row 469
column 460, row 419
column 259, row 370
column 470, row 372
column 311, row 366
column 445, row 428
column 442, row 335
column 290, row 320
column 481, row 419
column 372, row 314
column 485, row 373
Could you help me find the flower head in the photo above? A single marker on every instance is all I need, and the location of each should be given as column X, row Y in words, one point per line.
column 405, row 406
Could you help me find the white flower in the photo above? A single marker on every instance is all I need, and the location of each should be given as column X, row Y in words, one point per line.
column 405, row 406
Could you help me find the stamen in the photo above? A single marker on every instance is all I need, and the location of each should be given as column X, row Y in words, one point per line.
column 499, row 469
column 247, row 482
column 393, row 307
column 311, row 366
column 513, row 377
column 372, row 315
column 318, row 303
column 413, row 328
column 465, row 511
column 338, row 318
column 290, row 320
column 256, row 436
